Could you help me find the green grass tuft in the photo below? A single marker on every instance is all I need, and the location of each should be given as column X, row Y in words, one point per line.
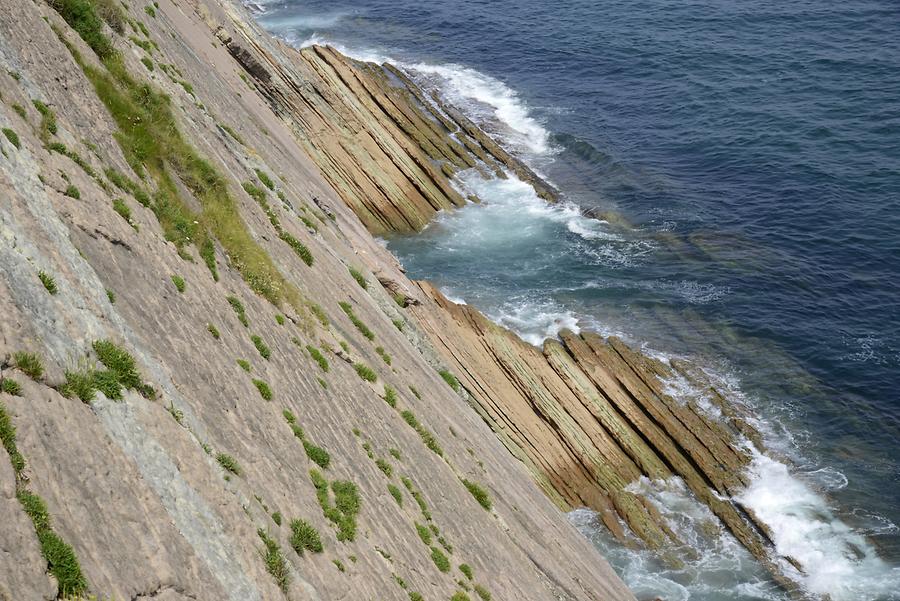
column 424, row 533
column 275, row 562
column 365, row 372
column 482, row 592
column 8, row 437
column 111, row 296
column 304, row 537
column 239, row 310
column 279, row 318
column 48, row 282
column 72, row 192
column 317, row 454
column 427, row 437
column 384, row 466
column 29, row 364
column 213, row 330
column 440, row 560
column 265, row 179
column 467, row 570
column 450, row 379
column 384, row 356
column 245, row 365
column 264, row 350
column 13, row 137
column 147, row 62
column 318, row 357
column 390, row 396
column 229, row 463
column 360, row 279
column 396, row 493
column 179, row 283
column 480, row 494
column 363, row 328
column 123, row 210
column 264, row 391
column 10, row 386
column 276, row 517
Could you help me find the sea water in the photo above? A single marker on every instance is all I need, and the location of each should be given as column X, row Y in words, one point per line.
column 743, row 159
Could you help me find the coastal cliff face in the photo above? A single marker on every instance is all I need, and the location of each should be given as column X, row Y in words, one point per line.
column 207, row 393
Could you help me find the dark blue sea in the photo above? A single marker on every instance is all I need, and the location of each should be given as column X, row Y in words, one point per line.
column 744, row 160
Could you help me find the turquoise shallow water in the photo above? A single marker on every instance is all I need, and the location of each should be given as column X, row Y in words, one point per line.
column 746, row 157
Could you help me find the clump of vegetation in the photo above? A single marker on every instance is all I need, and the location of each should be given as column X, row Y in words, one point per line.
column 153, row 145
column 415, row 392
column 318, row 313
column 322, row 383
column 8, row 437
column 318, row 357
column 346, row 504
column 213, row 330
column 61, row 559
column 398, row 323
column 384, row 356
column 304, row 537
column 179, row 283
column 360, row 279
column 228, row 130
column 20, row 110
column 363, row 328
column 275, row 562
column 245, row 365
column 150, row 11
column 424, row 533
column 413, row 596
column 120, row 363
column 395, row 453
column 339, row 565
column 365, row 372
column 229, row 463
column 384, row 466
column 279, row 318
column 395, row 492
column 48, row 282
column 467, row 570
column 483, row 593
column 238, row 307
column 265, row 179
column 264, row 391
column 29, row 364
column 264, row 350
column 418, row 497
column 276, row 517
column 460, row 596
column 111, row 296
column 72, row 192
column 480, row 494
column 427, row 437
column 440, row 560
column 10, row 386
column 450, row 379
column 317, row 454
column 390, row 396
column 147, row 62
column 124, row 211
column 301, row 249
column 13, row 137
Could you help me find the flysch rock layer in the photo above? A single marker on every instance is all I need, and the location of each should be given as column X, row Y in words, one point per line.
column 134, row 485
column 586, row 416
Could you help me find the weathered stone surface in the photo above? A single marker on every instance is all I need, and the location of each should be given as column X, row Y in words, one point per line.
column 129, row 484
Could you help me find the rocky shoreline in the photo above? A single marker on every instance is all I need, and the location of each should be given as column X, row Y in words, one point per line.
column 204, row 198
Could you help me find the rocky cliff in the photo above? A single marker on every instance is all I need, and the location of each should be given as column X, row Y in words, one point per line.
column 216, row 384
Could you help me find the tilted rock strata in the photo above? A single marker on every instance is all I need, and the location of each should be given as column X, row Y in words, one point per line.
column 138, row 487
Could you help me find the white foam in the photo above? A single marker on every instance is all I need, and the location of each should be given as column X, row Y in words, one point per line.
column 305, row 22
column 486, row 99
column 535, row 322
column 836, row 560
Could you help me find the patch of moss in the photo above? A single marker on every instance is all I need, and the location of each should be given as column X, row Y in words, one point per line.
column 29, row 364
column 48, row 282
column 304, row 537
